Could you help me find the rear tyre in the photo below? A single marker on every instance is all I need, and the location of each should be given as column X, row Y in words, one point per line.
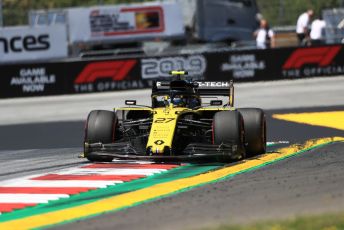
column 255, row 131
column 228, row 128
column 100, row 128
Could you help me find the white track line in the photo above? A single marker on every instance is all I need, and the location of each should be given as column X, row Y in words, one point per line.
column 110, row 171
column 30, row 198
column 131, row 162
column 59, row 183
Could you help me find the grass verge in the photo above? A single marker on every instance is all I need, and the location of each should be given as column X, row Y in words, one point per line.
column 321, row 222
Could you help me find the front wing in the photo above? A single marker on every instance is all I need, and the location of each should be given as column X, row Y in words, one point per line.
column 193, row 152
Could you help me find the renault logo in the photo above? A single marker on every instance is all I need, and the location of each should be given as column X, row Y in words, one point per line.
column 159, row 142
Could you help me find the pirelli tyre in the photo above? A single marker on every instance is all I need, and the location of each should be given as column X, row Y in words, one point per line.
column 255, row 131
column 228, row 128
column 100, row 128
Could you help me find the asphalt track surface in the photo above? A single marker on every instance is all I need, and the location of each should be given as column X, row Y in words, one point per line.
column 302, row 93
column 311, row 183
column 45, row 134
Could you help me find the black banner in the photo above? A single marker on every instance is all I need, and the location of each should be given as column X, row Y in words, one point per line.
column 70, row 77
column 276, row 64
column 20, row 80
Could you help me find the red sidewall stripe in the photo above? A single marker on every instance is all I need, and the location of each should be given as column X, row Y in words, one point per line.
column 10, row 207
column 96, row 176
column 124, row 178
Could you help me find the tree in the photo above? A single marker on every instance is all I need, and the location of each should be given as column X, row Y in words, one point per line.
column 291, row 9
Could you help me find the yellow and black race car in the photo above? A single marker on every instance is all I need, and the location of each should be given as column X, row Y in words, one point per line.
column 179, row 126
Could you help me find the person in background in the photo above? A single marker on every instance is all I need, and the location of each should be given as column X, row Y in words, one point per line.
column 317, row 31
column 265, row 37
column 302, row 24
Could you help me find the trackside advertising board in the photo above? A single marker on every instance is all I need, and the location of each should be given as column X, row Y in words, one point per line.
column 125, row 22
column 29, row 44
column 86, row 76
column 56, row 78
column 276, row 64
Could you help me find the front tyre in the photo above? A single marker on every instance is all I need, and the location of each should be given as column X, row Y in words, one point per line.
column 228, row 128
column 100, row 128
column 255, row 131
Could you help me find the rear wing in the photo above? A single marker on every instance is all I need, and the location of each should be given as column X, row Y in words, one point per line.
column 214, row 88
column 203, row 88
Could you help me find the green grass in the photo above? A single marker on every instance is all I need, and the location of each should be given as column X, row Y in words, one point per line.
column 323, row 222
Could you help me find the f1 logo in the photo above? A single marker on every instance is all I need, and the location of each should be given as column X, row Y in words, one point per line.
column 323, row 56
column 116, row 70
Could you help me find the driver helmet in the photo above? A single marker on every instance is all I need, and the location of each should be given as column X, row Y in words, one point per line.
column 194, row 102
column 179, row 101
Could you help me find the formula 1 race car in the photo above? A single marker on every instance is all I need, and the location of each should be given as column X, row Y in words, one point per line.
column 179, row 126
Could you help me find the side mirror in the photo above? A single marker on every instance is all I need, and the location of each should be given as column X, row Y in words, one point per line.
column 130, row 102
column 216, row 102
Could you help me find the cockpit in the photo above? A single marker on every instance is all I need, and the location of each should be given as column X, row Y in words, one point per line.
column 178, row 100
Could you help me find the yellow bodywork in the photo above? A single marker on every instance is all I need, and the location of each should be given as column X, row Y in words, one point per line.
column 164, row 124
column 163, row 128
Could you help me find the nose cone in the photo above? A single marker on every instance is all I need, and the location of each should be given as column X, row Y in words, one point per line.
column 159, row 150
column 162, row 131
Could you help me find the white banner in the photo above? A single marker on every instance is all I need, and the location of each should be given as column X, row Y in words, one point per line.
column 33, row 43
column 125, row 22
